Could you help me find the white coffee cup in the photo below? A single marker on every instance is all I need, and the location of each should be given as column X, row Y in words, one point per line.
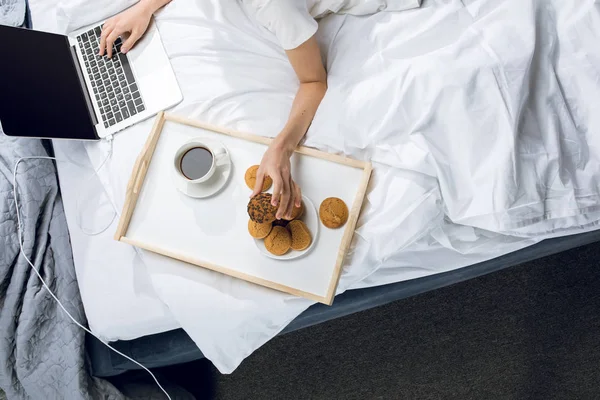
column 215, row 153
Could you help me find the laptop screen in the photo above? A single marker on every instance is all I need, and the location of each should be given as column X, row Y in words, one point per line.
column 41, row 94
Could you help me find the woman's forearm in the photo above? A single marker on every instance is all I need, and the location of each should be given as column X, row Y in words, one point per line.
column 304, row 108
column 308, row 65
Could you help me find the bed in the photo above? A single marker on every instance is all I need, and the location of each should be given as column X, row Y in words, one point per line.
column 478, row 117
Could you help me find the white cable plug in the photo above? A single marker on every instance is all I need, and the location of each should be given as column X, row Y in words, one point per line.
column 20, row 236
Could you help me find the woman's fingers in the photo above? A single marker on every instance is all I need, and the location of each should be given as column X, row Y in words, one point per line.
column 298, row 195
column 292, row 200
column 131, row 40
column 258, row 186
column 285, row 200
column 106, row 30
column 110, row 40
column 277, row 186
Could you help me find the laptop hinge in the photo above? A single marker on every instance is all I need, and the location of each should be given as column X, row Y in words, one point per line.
column 88, row 99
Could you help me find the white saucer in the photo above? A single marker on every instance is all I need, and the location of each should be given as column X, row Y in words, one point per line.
column 311, row 219
column 215, row 183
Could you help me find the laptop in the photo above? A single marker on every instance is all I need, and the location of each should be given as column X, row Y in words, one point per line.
column 56, row 86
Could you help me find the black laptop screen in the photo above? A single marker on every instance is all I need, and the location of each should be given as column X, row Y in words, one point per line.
column 40, row 90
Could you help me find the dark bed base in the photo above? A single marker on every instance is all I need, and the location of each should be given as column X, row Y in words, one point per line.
column 176, row 347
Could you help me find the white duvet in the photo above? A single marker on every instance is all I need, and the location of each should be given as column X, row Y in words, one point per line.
column 480, row 116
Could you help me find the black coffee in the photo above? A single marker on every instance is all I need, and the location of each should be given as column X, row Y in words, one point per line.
column 196, row 162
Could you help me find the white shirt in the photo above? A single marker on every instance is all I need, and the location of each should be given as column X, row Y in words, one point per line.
column 294, row 21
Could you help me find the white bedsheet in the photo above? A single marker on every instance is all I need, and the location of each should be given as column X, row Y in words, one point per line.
column 478, row 112
column 117, row 294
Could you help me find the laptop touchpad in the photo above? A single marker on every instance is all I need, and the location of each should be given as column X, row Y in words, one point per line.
column 147, row 56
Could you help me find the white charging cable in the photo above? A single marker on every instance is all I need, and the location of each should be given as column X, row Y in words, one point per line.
column 42, row 279
column 78, row 202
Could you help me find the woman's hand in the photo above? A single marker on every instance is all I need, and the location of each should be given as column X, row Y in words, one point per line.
column 276, row 164
column 134, row 21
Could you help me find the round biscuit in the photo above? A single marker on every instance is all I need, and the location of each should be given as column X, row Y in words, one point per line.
column 333, row 212
column 278, row 241
column 250, row 178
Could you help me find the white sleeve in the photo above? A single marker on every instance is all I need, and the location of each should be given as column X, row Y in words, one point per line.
column 289, row 20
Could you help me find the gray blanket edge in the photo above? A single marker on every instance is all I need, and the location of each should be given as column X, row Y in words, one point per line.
column 42, row 351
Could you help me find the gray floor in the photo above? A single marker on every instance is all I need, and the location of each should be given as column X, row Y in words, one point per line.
column 532, row 331
column 528, row 332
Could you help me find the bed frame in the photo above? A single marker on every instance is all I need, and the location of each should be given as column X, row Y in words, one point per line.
column 176, row 347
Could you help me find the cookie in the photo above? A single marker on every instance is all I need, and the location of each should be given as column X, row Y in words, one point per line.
column 250, row 178
column 301, row 236
column 259, row 231
column 333, row 212
column 281, row 222
column 278, row 242
column 260, row 208
column 297, row 212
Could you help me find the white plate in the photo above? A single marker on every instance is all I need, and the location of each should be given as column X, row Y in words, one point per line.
column 311, row 219
column 215, row 183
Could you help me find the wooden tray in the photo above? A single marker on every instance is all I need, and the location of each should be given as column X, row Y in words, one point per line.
column 212, row 232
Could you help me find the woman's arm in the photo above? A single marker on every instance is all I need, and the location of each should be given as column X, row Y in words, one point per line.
column 134, row 21
column 307, row 63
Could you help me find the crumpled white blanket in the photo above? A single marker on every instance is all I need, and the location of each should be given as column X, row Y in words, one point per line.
column 479, row 115
column 12, row 12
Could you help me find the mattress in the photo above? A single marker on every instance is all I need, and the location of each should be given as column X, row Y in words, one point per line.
column 437, row 98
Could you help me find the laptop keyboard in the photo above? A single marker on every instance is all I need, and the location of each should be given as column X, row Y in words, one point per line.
column 114, row 85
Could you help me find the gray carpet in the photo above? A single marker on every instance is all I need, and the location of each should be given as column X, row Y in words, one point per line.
column 528, row 332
